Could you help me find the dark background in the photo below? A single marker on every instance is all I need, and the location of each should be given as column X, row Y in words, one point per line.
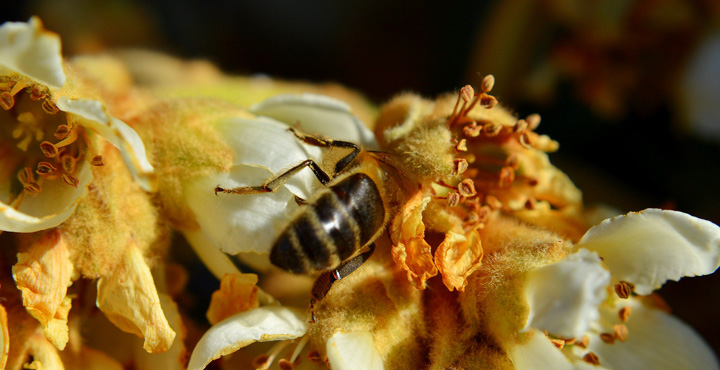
column 613, row 99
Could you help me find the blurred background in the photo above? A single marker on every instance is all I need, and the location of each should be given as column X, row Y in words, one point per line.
column 630, row 89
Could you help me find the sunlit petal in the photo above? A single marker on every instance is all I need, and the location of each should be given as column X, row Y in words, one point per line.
column 540, row 354
column 317, row 114
column 353, row 350
column 656, row 340
column 261, row 324
column 30, row 50
column 564, row 296
column 92, row 115
column 648, row 248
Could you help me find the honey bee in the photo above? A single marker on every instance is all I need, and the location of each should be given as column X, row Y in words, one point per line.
column 335, row 230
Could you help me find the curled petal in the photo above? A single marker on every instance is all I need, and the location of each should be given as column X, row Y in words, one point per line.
column 564, row 297
column 129, row 299
column 92, row 115
column 261, row 324
column 540, row 353
column 655, row 340
column 410, row 251
column 49, row 208
column 30, row 50
column 457, row 257
column 172, row 359
column 317, row 114
column 43, row 275
column 44, row 353
column 353, row 350
column 648, row 248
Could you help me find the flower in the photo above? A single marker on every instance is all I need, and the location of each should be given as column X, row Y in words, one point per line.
column 640, row 251
column 70, row 169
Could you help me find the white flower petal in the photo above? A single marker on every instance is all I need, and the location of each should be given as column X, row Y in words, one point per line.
column 30, row 50
column 564, row 296
column 251, row 222
column 259, row 324
column 214, row 259
column 118, row 133
column 540, row 354
column 656, row 340
column 317, row 114
column 353, row 350
column 650, row 247
column 51, row 207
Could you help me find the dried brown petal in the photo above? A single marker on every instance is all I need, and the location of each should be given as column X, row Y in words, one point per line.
column 457, row 257
column 410, row 250
column 129, row 299
column 237, row 293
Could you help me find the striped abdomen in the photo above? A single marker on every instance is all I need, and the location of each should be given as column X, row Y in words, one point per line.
column 332, row 227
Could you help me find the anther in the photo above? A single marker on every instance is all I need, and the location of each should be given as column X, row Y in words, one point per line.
column 284, row 364
column 582, row 342
column 49, row 107
column 37, row 93
column 493, row 202
column 49, row 149
column 530, row 203
column 621, row 332
column 624, row 313
column 461, row 165
column 507, row 177
column 6, row 100
column 512, row 161
column 492, row 129
column 525, row 140
column 62, row 132
column 533, row 121
column 33, row 188
column 315, row 358
column 623, row 289
column 453, row 199
column 68, row 163
column 467, row 93
column 591, row 358
column 487, row 83
column 520, row 126
column 488, row 101
column 45, row 169
column 559, row 343
column 70, row 180
column 466, row 188
column 260, row 360
column 472, row 130
column 462, row 146
column 608, row 338
column 97, row 161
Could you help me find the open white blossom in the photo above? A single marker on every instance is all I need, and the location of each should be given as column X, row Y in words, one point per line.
column 262, row 148
column 44, row 148
column 641, row 251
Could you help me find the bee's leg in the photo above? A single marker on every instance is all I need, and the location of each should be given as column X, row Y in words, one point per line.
column 325, row 281
column 271, row 185
column 327, row 143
